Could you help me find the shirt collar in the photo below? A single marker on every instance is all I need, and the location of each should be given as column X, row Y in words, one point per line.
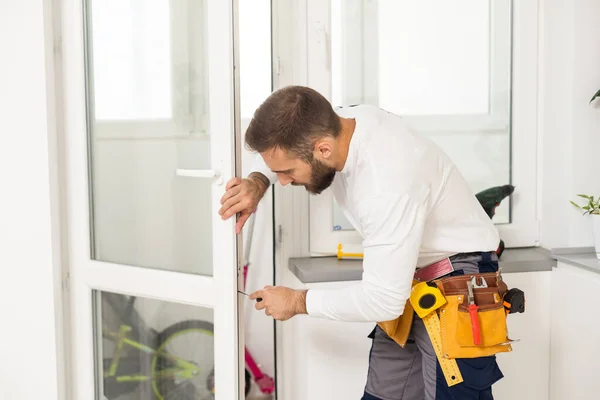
column 353, row 147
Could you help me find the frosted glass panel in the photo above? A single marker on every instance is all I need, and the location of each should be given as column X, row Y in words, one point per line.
column 132, row 59
column 433, row 56
column 148, row 95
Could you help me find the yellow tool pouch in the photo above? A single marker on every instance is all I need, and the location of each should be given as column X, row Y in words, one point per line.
column 456, row 323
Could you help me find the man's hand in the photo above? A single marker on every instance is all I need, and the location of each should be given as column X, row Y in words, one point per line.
column 241, row 197
column 280, row 302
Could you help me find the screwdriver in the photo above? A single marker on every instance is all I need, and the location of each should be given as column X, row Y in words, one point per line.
column 246, row 294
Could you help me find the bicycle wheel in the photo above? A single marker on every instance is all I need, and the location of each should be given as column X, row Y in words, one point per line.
column 192, row 342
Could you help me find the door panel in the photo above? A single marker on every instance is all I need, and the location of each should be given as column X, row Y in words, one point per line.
column 150, row 141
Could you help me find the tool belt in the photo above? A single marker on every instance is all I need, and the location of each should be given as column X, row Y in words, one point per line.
column 467, row 329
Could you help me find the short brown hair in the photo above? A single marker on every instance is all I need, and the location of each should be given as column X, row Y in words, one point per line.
column 292, row 119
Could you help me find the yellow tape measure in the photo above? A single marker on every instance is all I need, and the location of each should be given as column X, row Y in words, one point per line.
column 426, row 300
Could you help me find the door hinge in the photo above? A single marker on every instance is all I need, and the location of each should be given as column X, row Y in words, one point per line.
column 279, row 235
column 277, row 66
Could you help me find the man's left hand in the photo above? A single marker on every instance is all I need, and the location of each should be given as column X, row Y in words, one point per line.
column 280, row 302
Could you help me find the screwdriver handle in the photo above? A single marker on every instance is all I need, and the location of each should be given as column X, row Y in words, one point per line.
column 246, row 294
column 475, row 324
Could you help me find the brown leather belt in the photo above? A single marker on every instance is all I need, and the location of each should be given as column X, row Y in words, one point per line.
column 434, row 271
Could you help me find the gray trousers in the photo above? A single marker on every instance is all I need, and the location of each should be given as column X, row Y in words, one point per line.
column 399, row 373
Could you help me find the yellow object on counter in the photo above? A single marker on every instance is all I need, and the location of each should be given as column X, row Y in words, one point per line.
column 341, row 255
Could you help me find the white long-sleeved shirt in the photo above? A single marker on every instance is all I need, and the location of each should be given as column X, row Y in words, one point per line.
column 411, row 205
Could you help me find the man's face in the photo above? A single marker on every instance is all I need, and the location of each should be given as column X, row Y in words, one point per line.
column 315, row 176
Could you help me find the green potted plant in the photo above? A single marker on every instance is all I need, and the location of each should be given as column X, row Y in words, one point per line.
column 591, row 206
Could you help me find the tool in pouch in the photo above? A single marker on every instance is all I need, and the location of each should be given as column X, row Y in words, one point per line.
column 426, row 299
column 514, row 301
column 473, row 308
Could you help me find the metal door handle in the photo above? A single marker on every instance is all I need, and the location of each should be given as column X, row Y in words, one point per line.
column 200, row 173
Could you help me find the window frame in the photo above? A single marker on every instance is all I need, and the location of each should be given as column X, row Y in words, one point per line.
column 523, row 230
column 365, row 62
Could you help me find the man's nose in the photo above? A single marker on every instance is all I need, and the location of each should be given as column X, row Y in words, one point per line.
column 284, row 180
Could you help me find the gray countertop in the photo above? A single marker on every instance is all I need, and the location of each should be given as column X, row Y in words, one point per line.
column 330, row 269
column 584, row 257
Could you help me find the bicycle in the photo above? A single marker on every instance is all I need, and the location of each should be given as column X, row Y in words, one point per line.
column 161, row 363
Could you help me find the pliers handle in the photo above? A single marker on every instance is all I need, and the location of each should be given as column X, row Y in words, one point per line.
column 475, row 324
column 473, row 308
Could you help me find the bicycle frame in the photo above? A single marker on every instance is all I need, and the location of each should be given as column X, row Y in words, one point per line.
column 182, row 369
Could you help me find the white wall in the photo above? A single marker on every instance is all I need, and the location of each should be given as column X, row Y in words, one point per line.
column 28, row 301
column 575, row 347
column 570, row 127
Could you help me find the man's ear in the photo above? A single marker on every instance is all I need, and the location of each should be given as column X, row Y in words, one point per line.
column 324, row 148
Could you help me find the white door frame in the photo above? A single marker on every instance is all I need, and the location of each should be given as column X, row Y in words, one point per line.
column 218, row 292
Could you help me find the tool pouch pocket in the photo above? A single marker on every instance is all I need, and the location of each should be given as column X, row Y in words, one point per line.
column 399, row 328
column 455, row 320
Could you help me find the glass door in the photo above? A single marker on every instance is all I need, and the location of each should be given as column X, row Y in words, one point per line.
column 151, row 137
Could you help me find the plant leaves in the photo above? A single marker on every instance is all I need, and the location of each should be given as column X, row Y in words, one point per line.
column 595, row 96
column 575, row 204
column 585, row 196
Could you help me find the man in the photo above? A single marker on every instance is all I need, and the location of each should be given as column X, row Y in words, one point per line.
column 411, row 206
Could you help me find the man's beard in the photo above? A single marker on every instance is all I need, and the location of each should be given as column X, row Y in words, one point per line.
column 321, row 177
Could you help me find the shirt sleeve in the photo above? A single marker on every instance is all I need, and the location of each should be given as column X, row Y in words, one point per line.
column 260, row 166
column 392, row 231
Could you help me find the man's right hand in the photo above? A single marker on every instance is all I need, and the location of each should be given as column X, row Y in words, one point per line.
column 242, row 197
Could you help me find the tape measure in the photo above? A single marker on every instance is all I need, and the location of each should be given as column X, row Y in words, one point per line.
column 426, row 299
